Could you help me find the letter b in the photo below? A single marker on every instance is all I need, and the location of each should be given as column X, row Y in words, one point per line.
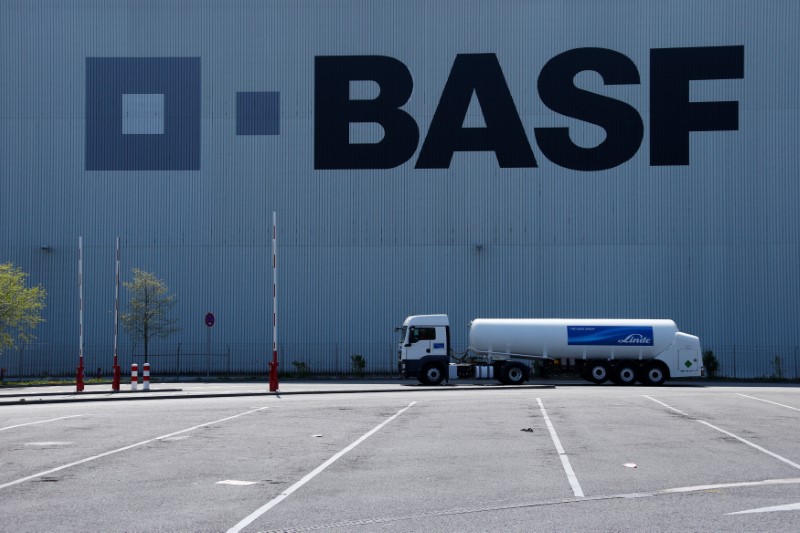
column 334, row 111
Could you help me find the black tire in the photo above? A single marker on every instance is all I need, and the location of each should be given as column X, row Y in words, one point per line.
column 597, row 372
column 654, row 374
column 514, row 373
column 431, row 374
column 624, row 374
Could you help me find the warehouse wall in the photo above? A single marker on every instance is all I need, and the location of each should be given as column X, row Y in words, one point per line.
column 714, row 245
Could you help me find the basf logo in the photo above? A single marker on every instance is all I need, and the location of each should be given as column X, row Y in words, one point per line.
column 144, row 113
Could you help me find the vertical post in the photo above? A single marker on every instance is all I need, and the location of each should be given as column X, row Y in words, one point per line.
column 146, row 377
column 115, row 380
column 134, row 376
column 273, row 366
column 79, row 379
column 208, row 352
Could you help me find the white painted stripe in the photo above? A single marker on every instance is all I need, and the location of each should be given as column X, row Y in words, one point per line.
column 308, row 477
column 573, row 480
column 236, row 482
column 752, row 444
column 665, row 405
column 740, row 439
column 39, row 422
column 697, row 488
column 768, row 401
column 124, row 448
column 790, row 507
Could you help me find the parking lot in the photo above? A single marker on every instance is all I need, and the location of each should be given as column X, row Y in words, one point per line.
column 606, row 458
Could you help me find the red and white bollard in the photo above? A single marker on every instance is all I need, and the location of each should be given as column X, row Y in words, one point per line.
column 134, row 376
column 146, row 377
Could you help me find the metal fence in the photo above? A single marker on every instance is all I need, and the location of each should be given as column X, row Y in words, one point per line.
column 317, row 359
column 756, row 362
column 184, row 360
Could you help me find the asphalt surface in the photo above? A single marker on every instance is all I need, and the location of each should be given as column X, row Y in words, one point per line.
column 399, row 457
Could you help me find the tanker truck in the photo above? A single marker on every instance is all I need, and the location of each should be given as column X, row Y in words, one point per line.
column 619, row 350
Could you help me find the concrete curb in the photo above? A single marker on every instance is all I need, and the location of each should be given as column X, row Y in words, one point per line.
column 155, row 394
column 95, row 392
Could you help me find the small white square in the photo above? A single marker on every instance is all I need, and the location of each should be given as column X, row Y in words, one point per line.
column 142, row 114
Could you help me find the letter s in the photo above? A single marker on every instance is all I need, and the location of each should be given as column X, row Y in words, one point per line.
column 623, row 125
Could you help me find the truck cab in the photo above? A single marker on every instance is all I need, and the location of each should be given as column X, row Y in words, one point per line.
column 424, row 348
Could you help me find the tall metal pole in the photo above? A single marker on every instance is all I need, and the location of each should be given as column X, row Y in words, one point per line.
column 79, row 379
column 273, row 366
column 115, row 380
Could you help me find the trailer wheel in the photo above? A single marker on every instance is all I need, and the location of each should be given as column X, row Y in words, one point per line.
column 432, row 374
column 654, row 374
column 597, row 372
column 514, row 373
column 624, row 374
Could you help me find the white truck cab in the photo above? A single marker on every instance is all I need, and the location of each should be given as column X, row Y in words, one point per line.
column 424, row 348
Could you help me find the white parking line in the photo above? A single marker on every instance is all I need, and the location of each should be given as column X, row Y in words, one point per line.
column 667, row 406
column 775, row 508
column 728, row 433
column 698, row 488
column 768, row 401
column 39, row 422
column 124, row 448
column 573, row 480
column 308, row 477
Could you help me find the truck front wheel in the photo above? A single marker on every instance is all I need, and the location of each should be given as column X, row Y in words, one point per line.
column 432, row 374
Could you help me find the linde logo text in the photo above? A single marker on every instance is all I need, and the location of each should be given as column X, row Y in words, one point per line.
column 672, row 114
column 635, row 338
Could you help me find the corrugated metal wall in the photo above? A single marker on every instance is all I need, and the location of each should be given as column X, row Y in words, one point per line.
column 714, row 245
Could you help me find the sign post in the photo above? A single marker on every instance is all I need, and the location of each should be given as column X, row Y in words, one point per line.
column 210, row 319
column 273, row 366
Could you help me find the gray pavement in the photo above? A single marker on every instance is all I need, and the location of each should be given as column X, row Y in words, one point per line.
column 401, row 457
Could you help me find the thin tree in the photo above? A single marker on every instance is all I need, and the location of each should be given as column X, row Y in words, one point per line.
column 20, row 307
column 149, row 308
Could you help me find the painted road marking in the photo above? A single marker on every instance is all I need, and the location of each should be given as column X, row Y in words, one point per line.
column 236, row 482
column 667, row 406
column 728, row 433
column 790, row 507
column 532, row 504
column 768, row 401
column 124, row 448
column 573, row 480
column 50, row 443
column 308, row 477
column 698, row 488
column 40, row 422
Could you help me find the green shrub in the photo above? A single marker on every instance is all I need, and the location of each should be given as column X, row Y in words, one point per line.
column 301, row 369
column 358, row 364
column 710, row 363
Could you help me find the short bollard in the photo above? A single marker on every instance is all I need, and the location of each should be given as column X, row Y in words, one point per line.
column 134, row 376
column 146, row 377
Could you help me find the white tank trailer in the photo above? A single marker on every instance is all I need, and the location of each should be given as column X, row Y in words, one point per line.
column 621, row 350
